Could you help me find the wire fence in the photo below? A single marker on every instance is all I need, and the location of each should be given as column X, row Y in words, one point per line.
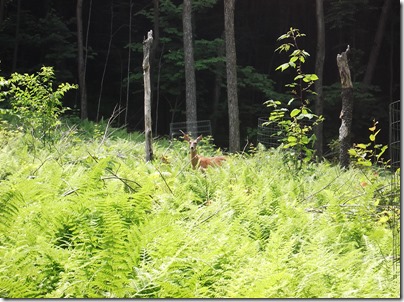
column 271, row 134
column 394, row 198
column 268, row 134
column 394, row 139
column 194, row 129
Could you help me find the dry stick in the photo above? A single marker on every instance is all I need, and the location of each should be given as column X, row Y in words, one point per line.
column 115, row 113
column 326, row 187
column 106, row 61
column 123, row 180
column 351, row 198
column 147, row 43
column 71, row 191
column 164, row 179
column 246, row 145
column 377, row 190
column 322, row 189
column 40, row 166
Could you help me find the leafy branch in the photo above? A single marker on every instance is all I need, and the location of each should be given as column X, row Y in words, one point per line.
column 296, row 122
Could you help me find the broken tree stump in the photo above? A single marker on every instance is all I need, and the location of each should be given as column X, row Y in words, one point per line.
column 347, row 108
column 147, row 98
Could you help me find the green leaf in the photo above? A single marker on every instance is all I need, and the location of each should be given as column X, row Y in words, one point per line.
column 284, row 36
column 293, row 59
column 365, row 163
column 295, row 112
column 384, row 148
column 372, row 128
column 283, row 66
column 305, row 140
column 310, row 78
column 306, row 115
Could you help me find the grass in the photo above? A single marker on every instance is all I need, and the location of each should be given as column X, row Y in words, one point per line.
column 86, row 217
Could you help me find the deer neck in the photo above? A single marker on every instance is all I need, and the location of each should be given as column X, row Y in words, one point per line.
column 194, row 158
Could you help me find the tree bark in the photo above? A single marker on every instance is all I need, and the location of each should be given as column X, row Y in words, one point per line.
column 190, row 84
column 347, row 108
column 128, row 66
column 2, row 10
column 147, row 96
column 155, row 62
column 217, row 88
column 367, row 80
column 231, row 72
column 81, row 65
column 319, row 68
column 17, row 36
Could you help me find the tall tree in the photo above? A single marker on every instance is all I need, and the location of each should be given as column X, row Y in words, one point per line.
column 17, row 36
column 231, row 72
column 190, row 84
column 128, row 67
column 367, row 80
column 217, row 88
column 154, row 61
column 319, row 68
column 2, row 10
column 81, row 63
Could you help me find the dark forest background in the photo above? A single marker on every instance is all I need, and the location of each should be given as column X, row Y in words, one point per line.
column 44, row 32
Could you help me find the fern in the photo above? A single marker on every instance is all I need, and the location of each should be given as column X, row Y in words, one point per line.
column 93, row 220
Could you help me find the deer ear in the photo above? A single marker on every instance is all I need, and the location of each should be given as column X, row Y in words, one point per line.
column 185, row 136
column 199, row 138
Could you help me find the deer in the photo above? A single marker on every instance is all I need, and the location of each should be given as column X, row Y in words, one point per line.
column 199, row 160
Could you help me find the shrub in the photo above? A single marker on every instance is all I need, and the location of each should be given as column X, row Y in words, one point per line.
column 34, row 101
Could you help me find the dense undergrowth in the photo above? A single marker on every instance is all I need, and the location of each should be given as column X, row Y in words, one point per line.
column 84, row 216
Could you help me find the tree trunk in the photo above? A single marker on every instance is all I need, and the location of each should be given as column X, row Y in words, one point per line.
column 367, row 80
column 147, row 96
column 17, row 36
column 190, row 85
column 87, row 35
column 318, row 85
column 217, row 88
column 347, row 106
column 231, row 72
column 155, row 62
column 81, row 65
column 128, row 67
column 2, row 10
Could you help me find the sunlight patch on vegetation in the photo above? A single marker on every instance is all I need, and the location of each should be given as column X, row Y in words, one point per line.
column 89, row 218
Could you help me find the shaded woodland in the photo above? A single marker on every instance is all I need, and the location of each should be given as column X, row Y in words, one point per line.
column 44, row 32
